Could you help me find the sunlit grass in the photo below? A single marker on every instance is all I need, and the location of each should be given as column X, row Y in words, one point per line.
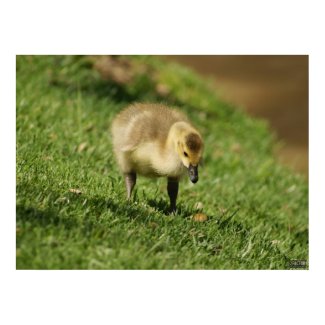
column 257, row 210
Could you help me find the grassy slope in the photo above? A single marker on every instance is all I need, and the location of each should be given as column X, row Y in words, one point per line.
column 257, row 209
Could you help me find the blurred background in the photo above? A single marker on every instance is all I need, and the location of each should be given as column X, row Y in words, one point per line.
column 272, row 87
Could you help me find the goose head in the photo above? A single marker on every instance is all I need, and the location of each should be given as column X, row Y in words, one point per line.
column 189, row 147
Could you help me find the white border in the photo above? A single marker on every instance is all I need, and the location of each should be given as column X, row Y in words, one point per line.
column 168, row 27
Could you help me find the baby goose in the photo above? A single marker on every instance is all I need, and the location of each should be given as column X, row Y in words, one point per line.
column 154, row 141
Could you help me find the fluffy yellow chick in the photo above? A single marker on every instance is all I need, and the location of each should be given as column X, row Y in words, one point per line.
column 154, row 141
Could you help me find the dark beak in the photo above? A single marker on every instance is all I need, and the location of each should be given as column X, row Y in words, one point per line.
column 193, row 173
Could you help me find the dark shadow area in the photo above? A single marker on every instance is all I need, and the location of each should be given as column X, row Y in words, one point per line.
column 98, row 205
column 163, row 206
column 160, row 205
column 43, row 217
column 63, row 215
column 99, row 88
column 108, row 89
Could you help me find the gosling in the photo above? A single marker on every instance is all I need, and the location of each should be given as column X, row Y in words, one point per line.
column 155, row 141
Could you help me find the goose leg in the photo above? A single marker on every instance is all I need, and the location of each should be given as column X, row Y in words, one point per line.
column 172, row 189
column 130, row 180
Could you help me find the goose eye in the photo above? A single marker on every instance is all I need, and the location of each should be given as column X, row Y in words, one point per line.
column 185, row 154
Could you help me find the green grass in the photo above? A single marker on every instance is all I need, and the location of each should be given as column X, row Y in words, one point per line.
column 257, row 209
